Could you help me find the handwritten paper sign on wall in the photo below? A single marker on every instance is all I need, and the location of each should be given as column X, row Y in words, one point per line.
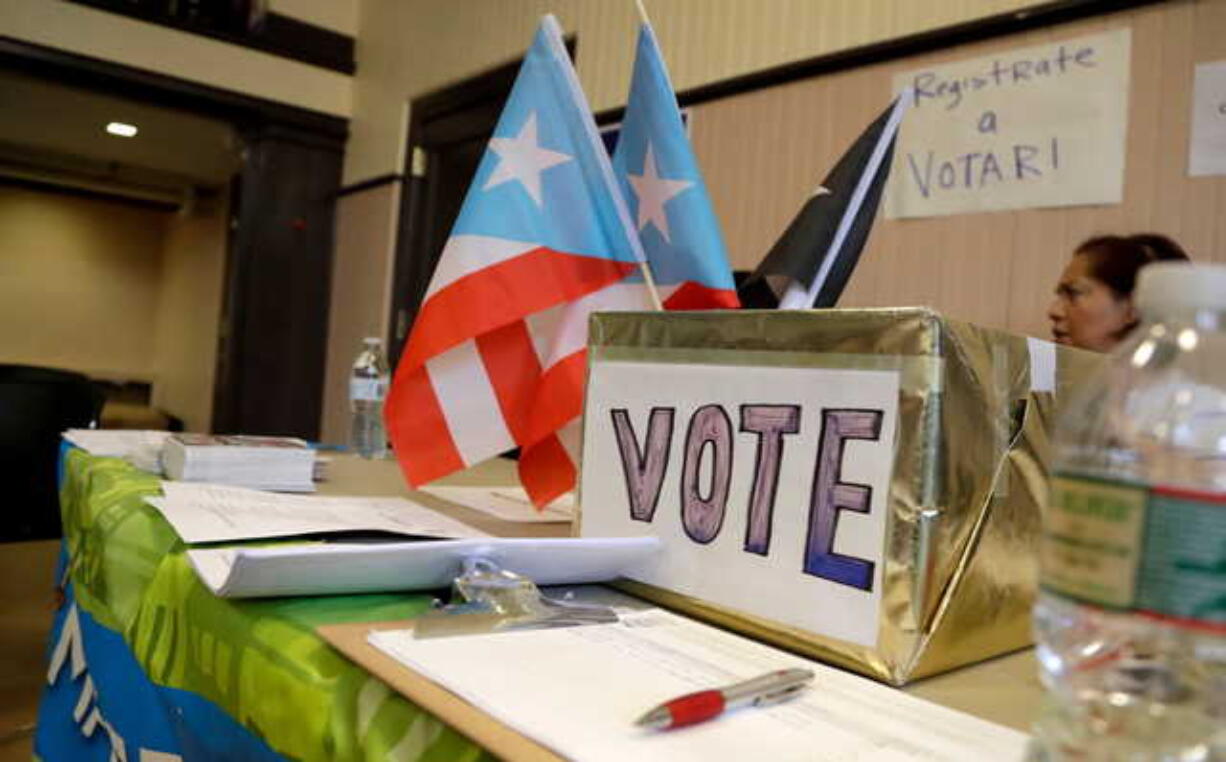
column 1207, row 149
column 1031, row 127
column 767, row 486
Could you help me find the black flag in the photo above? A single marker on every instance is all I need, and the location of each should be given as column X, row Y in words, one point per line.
column 820, row 248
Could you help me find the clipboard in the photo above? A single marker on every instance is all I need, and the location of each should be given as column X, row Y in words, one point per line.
column 481, row 728
column 485, row 598
column 422, row 679
column 843, row 701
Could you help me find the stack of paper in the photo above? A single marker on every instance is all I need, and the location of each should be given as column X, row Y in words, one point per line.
column 338, row 568
column 578, row 691
column 274, row 463
column 141, row 448
column 215, row 513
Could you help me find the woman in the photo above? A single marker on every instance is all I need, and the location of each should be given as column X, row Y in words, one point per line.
column 1093, row 307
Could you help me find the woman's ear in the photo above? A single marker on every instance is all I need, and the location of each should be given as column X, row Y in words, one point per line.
column 1130, row 317
column 1131, row 313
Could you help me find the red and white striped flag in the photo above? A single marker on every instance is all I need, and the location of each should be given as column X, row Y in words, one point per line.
column 496, row 358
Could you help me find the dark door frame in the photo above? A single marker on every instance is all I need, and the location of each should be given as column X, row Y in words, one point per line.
column 276, row 136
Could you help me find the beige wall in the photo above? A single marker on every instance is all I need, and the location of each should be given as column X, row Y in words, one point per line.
column 360, row 294
column 189, row 312
column 114, row 291
column 763, row 152
column 111, row 37
column 409, row 47
column 79, row 283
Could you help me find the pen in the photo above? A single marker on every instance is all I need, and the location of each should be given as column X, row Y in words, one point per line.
column 771, row 688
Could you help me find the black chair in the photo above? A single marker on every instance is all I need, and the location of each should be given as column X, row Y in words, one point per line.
column 36, row 405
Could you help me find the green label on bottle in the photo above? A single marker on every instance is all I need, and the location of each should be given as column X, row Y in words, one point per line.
column 1126, row 546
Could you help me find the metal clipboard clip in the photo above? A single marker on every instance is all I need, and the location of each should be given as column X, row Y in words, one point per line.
column 487, row 598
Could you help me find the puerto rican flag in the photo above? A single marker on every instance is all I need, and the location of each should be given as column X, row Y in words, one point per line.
column 666, row 194
column 496, row 358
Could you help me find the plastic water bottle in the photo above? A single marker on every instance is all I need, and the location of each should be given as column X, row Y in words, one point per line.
column 1130, row 623
column 367, row 389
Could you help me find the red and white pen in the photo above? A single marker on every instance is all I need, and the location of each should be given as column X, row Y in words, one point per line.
column 771, row 688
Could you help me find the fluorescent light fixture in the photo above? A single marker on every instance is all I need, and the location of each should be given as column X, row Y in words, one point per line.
column 121, row 129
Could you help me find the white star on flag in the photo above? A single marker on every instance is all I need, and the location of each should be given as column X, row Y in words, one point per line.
column 522, row 158
column 653, row 192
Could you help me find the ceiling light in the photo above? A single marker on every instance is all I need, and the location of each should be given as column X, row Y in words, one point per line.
column 121, row 129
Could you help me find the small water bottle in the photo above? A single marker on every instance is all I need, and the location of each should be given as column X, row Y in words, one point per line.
column 1130, row 624
column 367, row 389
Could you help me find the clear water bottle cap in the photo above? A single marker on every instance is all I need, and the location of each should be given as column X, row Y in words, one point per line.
column 1180, row 284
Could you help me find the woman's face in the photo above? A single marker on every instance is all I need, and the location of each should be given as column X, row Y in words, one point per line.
column 1086, row 313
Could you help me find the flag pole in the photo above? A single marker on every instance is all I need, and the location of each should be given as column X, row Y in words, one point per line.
column 800, row 297
column 648, row 277
column 642, row 12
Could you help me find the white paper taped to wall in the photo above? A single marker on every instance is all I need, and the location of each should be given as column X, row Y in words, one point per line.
column 1039, row 126
column 1207, row 147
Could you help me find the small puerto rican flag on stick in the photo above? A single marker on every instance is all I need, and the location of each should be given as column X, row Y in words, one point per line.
column 666, row 193
column 496, row 358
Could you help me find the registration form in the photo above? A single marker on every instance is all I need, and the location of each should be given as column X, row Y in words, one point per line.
column 217, row 513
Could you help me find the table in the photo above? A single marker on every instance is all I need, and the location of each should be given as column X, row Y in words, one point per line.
column 145, row 661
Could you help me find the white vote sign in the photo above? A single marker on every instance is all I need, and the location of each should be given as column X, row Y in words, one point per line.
column 1207, row 147
column 1039, row 126
column 768, row 487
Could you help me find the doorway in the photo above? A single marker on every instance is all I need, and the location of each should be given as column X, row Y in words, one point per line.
column 269, row 343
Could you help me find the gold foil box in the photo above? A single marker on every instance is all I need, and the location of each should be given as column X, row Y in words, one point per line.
column 860, row 486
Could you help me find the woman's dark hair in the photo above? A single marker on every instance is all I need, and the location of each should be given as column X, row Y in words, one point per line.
column 1115, row 260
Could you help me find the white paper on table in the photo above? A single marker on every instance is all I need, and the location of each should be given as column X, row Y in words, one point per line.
column 1042, row 364
column 1207, row 146
column 327, row 568
column 578, row 691
column 141, row 448
column 217, row 513
column 507, row 503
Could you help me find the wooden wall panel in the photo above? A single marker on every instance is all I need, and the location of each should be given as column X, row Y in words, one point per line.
column 762, row 152
column 407, row 48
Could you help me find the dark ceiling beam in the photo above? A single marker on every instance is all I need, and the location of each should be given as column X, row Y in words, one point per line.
column 92, row 73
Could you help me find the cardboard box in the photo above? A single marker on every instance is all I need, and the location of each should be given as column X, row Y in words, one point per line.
column 861, row 486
